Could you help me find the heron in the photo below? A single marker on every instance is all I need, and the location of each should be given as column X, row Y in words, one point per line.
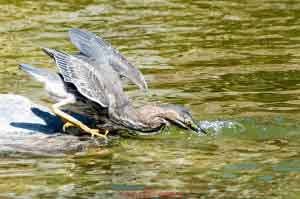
column 93, row 79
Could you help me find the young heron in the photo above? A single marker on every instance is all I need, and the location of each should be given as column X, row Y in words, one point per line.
column 93, row 78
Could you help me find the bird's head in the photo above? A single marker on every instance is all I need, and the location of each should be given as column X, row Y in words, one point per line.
column 181, row 117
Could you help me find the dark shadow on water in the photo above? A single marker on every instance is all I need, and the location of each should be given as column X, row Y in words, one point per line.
column 51, row 125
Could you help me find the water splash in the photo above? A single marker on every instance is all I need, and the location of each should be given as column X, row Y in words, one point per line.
column 219, row 126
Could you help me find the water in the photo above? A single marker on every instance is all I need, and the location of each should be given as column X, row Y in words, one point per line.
column 235, row 65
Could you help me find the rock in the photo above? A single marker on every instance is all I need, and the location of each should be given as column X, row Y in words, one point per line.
column 28, row 127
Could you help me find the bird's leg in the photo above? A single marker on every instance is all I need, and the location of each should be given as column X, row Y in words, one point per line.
column 71, row 121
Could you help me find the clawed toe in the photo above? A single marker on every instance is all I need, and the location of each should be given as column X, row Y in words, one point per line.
column 95, row 133
column 67, row 125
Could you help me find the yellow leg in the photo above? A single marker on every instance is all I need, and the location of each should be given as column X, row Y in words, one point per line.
column 71, row 121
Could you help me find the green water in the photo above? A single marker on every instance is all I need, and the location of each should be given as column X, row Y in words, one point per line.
column 236, row 65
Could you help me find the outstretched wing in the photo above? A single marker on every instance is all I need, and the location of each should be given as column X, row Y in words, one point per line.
column 86, row 79
column 93, row 46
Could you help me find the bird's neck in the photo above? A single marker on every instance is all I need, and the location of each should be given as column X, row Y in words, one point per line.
column 151, row 116
column 145, row 119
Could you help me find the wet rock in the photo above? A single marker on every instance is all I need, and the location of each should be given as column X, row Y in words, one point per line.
column 28, row 127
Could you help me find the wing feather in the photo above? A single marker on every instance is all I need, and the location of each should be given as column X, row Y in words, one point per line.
column 82, row 75
column 95, row 47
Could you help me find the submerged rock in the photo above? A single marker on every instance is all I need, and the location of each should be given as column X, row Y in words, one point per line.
column 28, row 127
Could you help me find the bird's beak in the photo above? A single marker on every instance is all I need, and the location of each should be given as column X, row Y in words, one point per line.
column 193, row 126
column 197, row 128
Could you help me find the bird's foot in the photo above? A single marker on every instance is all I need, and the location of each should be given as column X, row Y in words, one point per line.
column 106, row 132
column 93, row 132
column 67, row 125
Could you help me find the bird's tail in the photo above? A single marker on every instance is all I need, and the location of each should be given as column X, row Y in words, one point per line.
column 39, row 74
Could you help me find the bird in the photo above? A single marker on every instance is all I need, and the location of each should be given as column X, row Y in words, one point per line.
column 92, row 79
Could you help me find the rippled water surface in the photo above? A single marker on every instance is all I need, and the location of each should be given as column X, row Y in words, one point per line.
column 235, row 65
